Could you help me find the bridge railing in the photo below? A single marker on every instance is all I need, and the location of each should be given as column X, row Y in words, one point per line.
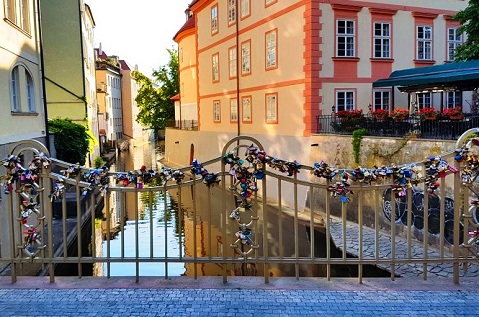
column 414, row 220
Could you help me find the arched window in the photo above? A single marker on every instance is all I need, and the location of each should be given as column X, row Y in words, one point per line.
column 22, row 90
column 15, row 89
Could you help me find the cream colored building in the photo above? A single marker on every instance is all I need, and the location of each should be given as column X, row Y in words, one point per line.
column 132, row 130
column 22, row 114
column 109, row 96
column 67, row 32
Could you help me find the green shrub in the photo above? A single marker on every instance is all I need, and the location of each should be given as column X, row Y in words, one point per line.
column 98, row 162
column 71, row 140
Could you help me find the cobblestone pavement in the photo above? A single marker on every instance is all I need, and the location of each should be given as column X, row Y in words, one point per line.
column 405, row 270
column 240, row 297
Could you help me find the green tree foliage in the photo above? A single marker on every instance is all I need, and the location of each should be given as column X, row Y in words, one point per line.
column 469, row 19
column 71, row 140
column 153, row 100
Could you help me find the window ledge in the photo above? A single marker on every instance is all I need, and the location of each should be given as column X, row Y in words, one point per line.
column 349, row 59
column 28, row 114
column 424, row 62
column 382, row 60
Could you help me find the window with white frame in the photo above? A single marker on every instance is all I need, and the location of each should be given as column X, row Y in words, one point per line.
column 271, row 108
column 232, row 60
column 22, row 100
column 345, row 38
column 271, row 49
column 453, row 41
column 245, row 8
column 215, row 67
column 344, row 100
column 382, row 40
column 30, row 92
column 233, row 110
column 216, row 111
column 15, row 89
column 453, row 99
column 214, row 19
column 231, row 12
column 424, row 43
column 382, row 99
column 246, row 58
column 246, row 109
column 424, row 100
column 18, row 13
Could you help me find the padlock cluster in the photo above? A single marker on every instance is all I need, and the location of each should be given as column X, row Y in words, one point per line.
column 470, row 160
column 210, row 179
column 97, row 178
column 28, row 189
column 137, row 178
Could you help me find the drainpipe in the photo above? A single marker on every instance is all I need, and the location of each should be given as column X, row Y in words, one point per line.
column 238, row 72
column 41, row 70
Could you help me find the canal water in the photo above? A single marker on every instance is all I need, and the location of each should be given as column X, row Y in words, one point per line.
column 171, row 228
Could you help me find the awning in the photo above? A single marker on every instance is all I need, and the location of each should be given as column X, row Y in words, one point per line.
column 451, row 76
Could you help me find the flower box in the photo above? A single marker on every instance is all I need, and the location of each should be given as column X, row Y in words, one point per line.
column 380, row 114
column 400, row 114
column 429, row 113
column 453, row 113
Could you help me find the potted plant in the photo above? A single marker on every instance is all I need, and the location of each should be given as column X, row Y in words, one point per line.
column 454, row 113
column 350, row 114
column 400, row 114
column 429, row 113
column 380, row 114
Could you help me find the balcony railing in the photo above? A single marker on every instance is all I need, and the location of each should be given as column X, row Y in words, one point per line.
column 184, row 124
column 445, row 129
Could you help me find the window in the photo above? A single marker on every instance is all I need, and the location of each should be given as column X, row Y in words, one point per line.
column 271, row 49
column 424, row 43
column 269, row 2
column 216, row 111
column 345, row 38
column 232, row 62
column 22, row 90
column 424, row 100
column 215, row 68
column 231, row 12
column 18, row 12
column 246, row 102
column 246, row 58
column 382, row 40
column 344, row 100
column 234, row 110
column 245, row 5
column 453, row 99
column 271, row 108
column 214, row 19
column 382, row 100
column 453, row 41
column 15, row 89
column 30, row 92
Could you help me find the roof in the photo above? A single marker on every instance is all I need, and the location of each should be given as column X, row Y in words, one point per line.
column 190, row 23
column 450, row 76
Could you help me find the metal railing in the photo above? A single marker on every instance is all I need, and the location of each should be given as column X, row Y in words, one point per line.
column 184, row 124
column 428, row 129
column 231, row 211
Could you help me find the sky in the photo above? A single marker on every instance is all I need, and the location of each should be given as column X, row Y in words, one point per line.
column 138, row 31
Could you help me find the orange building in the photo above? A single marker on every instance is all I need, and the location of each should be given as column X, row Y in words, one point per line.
column 270, row 67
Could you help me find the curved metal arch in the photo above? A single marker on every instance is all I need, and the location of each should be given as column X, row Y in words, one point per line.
column 33, row 145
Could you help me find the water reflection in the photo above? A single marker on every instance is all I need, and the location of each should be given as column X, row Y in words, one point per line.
column 157, row 222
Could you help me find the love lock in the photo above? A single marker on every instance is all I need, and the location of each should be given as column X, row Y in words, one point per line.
column 32, row 241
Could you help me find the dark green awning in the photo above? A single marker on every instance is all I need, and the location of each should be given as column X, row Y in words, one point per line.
column 451, row 76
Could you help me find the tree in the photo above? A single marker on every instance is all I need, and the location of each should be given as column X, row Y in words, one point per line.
column 154, row 96
column 469, row 19
column 71, row 140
